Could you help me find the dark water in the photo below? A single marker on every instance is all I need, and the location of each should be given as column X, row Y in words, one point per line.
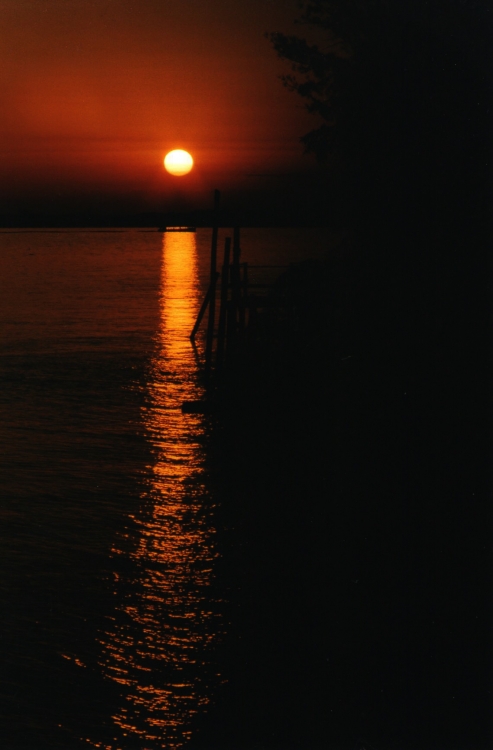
column 113, row 610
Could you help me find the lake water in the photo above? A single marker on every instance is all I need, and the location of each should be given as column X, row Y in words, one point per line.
column 112, row 608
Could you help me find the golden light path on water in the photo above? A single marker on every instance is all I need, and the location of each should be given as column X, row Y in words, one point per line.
column 157, row 648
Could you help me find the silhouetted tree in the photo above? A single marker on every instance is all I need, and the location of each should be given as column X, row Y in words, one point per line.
column 402, row 91
column 401, row 94
column 330, row 73
column 397, row 88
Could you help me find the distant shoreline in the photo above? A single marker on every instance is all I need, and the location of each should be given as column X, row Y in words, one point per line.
column 154, row 226
column 330, row 216
column 121, row 228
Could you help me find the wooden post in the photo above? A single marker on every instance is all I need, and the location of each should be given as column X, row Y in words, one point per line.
column 236, row 289
column 224, row 302
column 203, row 309
column 213, row 278
column 236, row 245
column 243, row 297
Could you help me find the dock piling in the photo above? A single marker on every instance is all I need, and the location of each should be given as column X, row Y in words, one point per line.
column 221, row 333
column 213, row 278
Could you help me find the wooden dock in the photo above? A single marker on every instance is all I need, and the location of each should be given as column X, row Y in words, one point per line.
column 236, row 299
column 233, row 301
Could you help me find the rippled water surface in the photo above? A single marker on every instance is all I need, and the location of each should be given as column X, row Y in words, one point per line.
column 111, row 605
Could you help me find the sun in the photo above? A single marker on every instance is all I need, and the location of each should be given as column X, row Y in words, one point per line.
column 178, row 162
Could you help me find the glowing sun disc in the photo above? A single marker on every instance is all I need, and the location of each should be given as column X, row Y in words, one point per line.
column 178, row 162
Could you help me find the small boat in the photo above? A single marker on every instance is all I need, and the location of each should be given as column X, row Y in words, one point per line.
column 177, row 229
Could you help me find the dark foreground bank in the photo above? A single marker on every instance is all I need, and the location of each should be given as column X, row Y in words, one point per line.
column 349, row 463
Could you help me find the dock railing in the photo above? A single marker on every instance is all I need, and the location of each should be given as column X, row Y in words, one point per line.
column 242, row 296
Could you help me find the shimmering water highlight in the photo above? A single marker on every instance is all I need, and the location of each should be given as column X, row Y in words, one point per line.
column 156, row 643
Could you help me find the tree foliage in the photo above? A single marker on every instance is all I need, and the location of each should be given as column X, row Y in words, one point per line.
column 335, row 77
column 398, row 89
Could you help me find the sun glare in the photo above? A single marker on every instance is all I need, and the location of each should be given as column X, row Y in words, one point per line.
column 178, row 162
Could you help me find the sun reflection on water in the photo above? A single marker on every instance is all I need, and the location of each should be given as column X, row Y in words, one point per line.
column 157, row 645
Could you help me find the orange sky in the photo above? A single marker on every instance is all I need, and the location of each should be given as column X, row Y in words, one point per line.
column 93, row 93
